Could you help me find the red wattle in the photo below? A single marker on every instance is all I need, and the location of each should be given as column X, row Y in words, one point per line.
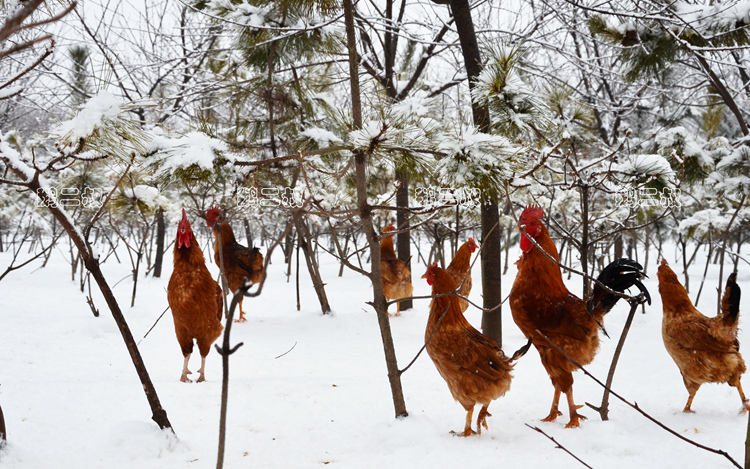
column 526, row 244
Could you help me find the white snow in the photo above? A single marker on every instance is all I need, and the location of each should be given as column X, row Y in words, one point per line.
column 194, row 148
column 645, row 165
column 72, row 400
column 149, row 195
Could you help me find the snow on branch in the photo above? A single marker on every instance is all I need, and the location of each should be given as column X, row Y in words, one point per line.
column 103, row 125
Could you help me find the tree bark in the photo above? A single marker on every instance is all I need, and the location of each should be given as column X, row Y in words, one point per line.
column 360, row 160
column 3, row 432
column 491, row 264
column 403, row 240
column 159, row 415
column 160, row 231
column 303, row 237
column 492, row 270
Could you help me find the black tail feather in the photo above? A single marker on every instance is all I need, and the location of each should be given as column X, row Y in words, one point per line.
column 619, row 276
column 522, row 351
column 730, row 303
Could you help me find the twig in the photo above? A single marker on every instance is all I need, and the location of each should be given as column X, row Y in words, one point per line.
column 604, row 408
column 295, row 344
column 559, row 446
column 225, row 351
column 635, row 406
column 155, row 323
column 432, row 334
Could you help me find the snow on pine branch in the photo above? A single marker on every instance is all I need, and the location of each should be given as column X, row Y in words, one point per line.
column 476, row 159
column 651, row 166
column 103, row 125
column 716, row 16
column 703, row 222
column 193, row 150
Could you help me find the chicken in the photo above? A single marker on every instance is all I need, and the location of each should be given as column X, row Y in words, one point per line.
column 541, row 306
column 474, row 367
column 240, row 262
column 706, row 350
column 195, row 299
column 459, row 269
column 396, row 275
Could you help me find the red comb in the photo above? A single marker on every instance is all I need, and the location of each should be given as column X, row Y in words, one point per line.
column 213, row 213
column 184, row 215
column 532, row 211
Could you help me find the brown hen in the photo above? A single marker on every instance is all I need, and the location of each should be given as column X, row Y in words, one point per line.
column 195, row 299
column 473, row 366
column 706, row 350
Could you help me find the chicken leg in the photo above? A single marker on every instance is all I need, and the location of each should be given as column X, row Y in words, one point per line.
column 687, row 409
column 554, row 412
column 467, row 428
column 202, row 376
column 185, row 370
column 242, row 317
column 482, row 418
column 572, row 408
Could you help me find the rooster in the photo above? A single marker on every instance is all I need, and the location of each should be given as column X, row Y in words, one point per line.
column 396, row 275
column 474, row 367
column 459, row 269
column 544, row 309
column 706, row 350
column 240, row 263
column 195, row 299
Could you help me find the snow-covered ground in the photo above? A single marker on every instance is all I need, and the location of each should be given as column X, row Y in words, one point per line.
column 72, row 399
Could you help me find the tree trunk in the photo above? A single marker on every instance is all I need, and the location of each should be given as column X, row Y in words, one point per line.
column 403, row 240
column 491, row 265
column 585, row 239
column 159, row 415
column 360, row 160
column 160, row 230
column 303, row 237
column 3, row 432
column 492, row 270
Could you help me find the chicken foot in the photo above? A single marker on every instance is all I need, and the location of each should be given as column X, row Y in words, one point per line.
column 185, row 370
column 745, row 402
column 202, row 376
column 242, row 317
column 482, row 418
column 554, row 412
column 575, row 417
column 467, row 428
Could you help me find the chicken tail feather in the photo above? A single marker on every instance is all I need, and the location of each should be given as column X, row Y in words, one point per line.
column 619, row 276
column 522, row 351
column 730, row 303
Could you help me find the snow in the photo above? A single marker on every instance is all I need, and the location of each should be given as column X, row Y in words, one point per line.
column 703, row 222
column 322, row 137
column 98, row 112
column 722, row 15
column 149, row 195
column 194, row 148
column 71, row 397
column 645, row 165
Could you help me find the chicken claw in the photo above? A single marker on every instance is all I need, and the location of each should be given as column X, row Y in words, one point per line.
column 553, row 414
column 574, row 420
column 482, row 419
